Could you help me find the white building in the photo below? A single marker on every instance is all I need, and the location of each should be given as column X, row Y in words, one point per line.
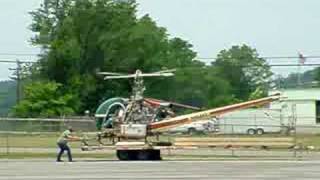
column 297, row 107
column 304, row 104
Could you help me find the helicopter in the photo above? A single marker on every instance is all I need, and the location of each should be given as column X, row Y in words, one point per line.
column 136, row 109
column 128, row 122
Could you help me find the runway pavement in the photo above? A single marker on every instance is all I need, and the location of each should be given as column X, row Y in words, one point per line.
column 208, row 152
column 90, row 170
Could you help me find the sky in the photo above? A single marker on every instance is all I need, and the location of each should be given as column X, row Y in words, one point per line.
column 273, row 27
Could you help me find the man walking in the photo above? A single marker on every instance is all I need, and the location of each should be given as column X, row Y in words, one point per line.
column 62, row 142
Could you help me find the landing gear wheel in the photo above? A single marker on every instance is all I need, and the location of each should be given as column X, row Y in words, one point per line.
column 156, row 154
column 127, row 155
column 143, row 155
column 123, row 155
column 149, row 155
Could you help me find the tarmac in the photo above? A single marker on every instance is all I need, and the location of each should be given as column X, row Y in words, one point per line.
column 97, row 170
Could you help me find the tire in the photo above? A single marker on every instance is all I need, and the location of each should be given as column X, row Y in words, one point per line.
column 144, row 155
column 192, row 131
column 123, row 155
column 149, row 155
column 141, row 155
column 251, row 131
column 156, row 155
column 260, row 131
column 127, row 155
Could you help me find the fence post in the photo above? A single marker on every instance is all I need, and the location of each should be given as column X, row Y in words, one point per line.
column 294, row 115
column 169, row 149
column 7, row 129
column 232, row 149
column 295, row 142
column 7, row 145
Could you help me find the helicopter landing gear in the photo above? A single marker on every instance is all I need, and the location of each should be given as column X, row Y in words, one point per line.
column 139, row 155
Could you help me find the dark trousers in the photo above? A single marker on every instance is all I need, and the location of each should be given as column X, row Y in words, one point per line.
column 64, row 147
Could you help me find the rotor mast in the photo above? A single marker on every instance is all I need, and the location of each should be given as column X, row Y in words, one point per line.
column 134, row 111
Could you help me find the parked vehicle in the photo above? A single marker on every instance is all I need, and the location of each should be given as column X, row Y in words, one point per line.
column 205, row 126
column 251, row 122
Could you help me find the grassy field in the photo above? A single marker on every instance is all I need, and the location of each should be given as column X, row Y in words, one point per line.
column 28, row 141
column 309, row 140
column 49, row 141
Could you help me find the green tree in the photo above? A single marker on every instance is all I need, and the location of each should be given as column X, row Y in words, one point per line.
column 197, row 85
column 316, row 76
column 246, row 72
column 81, row 37
column 202, row 87
column 308, row 78
column 45, row 100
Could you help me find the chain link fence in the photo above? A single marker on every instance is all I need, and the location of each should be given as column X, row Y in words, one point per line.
column 20, row 138
column 247, row 141
column 45, row 125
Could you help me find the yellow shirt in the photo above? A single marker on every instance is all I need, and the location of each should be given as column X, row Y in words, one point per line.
column 63, row 139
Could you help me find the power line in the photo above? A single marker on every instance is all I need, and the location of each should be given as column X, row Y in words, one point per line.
column 266, row 57
column 290, row 57
column 19, row 54
column 292, row 65
column 15, row 61
column 271, row 65
column 198, row 58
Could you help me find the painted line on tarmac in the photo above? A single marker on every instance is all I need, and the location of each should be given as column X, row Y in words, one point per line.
column 161, row 162
column 103, row 177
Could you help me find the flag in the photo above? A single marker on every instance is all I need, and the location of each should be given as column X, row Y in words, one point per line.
column 302, row 59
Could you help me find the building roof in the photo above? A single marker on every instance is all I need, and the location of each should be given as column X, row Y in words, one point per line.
column 299, row 94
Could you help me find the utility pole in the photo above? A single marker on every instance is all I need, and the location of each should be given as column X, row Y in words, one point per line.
column 17, row 77
column 299, row 76
column 301, row 62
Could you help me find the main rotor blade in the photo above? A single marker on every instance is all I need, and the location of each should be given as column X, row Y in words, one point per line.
column 167, row 71
column 185, row 106
column 156, row 74
column 120, row 77
column 173, row 103
column 110, row 73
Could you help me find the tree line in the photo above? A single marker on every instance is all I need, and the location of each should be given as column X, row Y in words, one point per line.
column 79, row 38
column 7, row 96
column 307, row 79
